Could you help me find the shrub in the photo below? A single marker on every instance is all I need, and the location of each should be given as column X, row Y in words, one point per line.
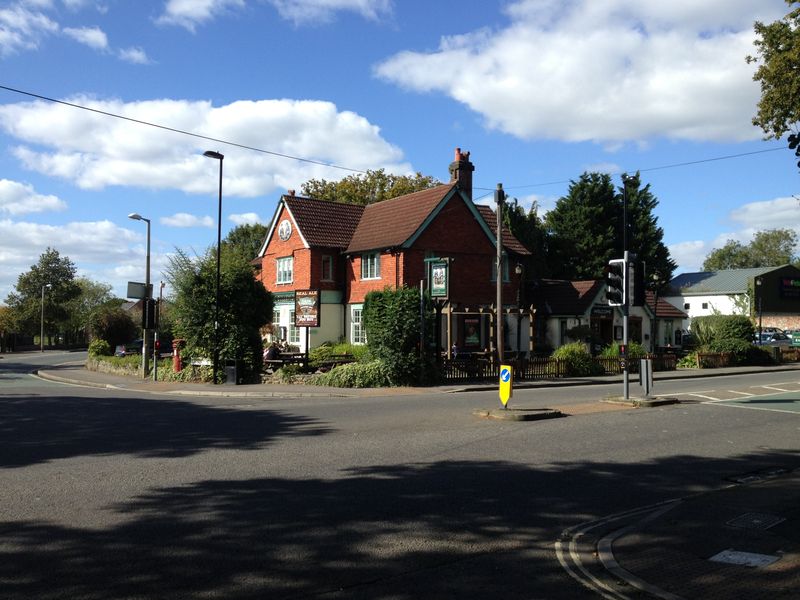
column 374, row 373
column 635, row 351
column 323, row 352
column 735, row 327
column 287, row 373
column 578, row 361
column 99, row 348
column 738, row 349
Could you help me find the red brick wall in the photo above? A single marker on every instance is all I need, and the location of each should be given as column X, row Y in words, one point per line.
column 359, row 288
column 277, row 248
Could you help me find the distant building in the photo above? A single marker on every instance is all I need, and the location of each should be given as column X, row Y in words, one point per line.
column 769, row 293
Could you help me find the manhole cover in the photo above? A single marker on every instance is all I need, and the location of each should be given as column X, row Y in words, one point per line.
column 745, row 559
column 754, row 520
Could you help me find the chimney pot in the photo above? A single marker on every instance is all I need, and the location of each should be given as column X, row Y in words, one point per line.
column 291, row 192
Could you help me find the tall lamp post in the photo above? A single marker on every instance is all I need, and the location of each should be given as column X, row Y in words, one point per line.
column 41, row 333
column 146, row 300
column 220, row 158
column 759, row 293
column 519, row 270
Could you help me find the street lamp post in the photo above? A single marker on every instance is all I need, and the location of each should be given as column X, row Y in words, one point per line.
column 41, row 333
column 220, row 158
column 146, row 300
column 759, row 293
column 519, row 270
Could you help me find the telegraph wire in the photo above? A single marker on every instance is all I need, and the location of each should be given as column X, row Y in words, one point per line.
column 340, row 167
column 180, row 131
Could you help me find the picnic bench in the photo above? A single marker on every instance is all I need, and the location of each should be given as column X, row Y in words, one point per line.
column 286, row 358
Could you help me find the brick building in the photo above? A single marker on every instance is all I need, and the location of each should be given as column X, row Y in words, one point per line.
column 341, row 252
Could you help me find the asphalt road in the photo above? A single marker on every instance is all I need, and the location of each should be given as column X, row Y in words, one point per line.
column 104, row 494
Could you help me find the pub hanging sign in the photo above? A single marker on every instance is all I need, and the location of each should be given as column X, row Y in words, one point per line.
column 440, row 279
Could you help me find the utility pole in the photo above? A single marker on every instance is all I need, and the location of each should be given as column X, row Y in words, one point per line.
column 625, row 300
column 499, row 198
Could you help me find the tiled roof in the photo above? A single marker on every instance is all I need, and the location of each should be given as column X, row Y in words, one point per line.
column 510, row 242
column 560, row 297
column 665, row 309
column 388, row 224
column 323, row 223
column 729, row 281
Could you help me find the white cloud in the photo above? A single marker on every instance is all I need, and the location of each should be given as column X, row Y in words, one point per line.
column 23, row 29
column 182, row 219
column 611, row 71
column 689, row 255
column 781, row 213
column 24, row 243
column 316, row 11
column 603, row 167
column 135, row 56
column 191, row 13
column 95, row 151
column 93, row 37
column 250, row 218
column 20, row 198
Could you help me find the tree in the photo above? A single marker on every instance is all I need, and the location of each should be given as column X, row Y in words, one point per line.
column 93, row 295
column 244, row 307
column 582, row 228
column 585, row 229
column 246, row 239
column 770, row 248
column 777, row 56
column 529, row 229
column 372, row 186
column 113, row 324
column 51, row 270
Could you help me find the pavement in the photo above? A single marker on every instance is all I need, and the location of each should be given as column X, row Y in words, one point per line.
column 739, row 541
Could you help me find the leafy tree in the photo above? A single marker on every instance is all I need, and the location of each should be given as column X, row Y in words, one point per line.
column 113, row 325
column 8, row 326
column 585, row 229
column 93, row 295
column 582, row 228
column 529, row 229
column 244, row 306
column 770, row 248
column 372, row 186
column 777, row 56
column 51, row 270
column 246, row 239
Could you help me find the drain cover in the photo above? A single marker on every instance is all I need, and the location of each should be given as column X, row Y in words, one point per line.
column 754, row 520
column 745, row 559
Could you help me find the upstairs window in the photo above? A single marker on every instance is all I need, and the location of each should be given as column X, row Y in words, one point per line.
column 327, row 268
column 285, row 268
column 371, row 266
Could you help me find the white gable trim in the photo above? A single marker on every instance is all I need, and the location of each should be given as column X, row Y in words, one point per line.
column 274, row 226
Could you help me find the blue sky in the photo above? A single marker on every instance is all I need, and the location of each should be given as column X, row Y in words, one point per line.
column 538, row 91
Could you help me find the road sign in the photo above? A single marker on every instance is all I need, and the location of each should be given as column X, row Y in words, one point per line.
column 506, row 384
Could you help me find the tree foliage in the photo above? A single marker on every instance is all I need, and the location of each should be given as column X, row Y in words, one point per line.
column 769, row 248
column 372, row 186
column 51, row 270
column 246, row 239
column 778, row 56
column 112, row 324
column 244, row 307
column 585, row 229
column 529, row 229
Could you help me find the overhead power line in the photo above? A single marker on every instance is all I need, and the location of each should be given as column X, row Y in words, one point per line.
column 180, row 131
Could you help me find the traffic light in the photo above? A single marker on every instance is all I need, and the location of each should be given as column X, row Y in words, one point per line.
column 617, row 282
column 149, row 313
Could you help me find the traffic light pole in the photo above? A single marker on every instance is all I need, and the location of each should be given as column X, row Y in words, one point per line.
column 625, row 311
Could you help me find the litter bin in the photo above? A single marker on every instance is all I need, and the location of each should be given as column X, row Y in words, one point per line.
column 231, row 372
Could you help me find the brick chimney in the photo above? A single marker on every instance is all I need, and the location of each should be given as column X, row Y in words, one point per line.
column 461, row 172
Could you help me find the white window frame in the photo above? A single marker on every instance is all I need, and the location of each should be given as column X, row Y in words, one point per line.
column 294, row 332
column 371, row 265
column 358, row 336
column 283, row 274
column 327, row 260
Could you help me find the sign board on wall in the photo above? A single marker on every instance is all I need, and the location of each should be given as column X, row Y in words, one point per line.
column 306, row 308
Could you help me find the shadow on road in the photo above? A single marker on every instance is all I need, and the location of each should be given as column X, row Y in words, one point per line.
column 36, row 429
column 442, row 530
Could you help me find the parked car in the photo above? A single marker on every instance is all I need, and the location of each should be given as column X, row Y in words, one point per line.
column 775, row 339
column 134, row 347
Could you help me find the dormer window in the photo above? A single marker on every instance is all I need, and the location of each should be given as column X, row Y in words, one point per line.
column 371, row 266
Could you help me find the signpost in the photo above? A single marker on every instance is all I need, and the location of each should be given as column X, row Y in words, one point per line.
column 506, row 384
